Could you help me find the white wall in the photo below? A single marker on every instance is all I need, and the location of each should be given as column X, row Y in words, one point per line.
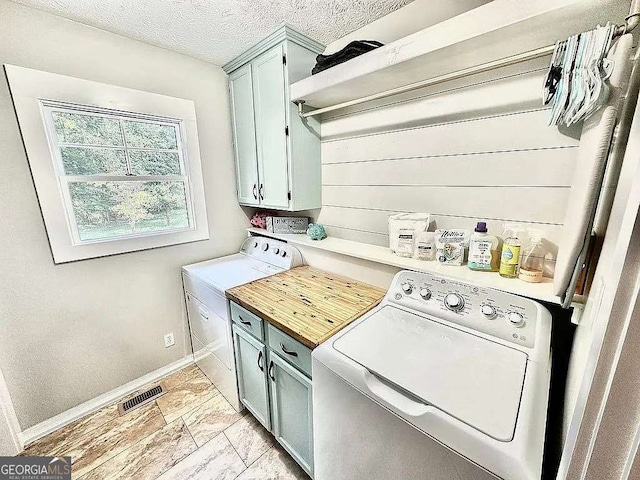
column 71, row 332
column 409, row 19
column 478, row 149
column 475, row 149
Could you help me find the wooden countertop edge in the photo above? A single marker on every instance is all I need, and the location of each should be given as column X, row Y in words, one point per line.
column 280, row 326
column 350, row 321
column 266, row 317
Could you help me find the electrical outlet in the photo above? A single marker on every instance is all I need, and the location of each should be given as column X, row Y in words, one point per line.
column 169, row 340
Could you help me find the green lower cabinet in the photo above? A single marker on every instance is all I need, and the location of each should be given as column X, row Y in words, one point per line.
column 251, row 366
column 276, row 391
column 292, row 410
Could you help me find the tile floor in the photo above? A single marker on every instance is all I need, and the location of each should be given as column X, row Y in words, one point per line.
column 191, row 432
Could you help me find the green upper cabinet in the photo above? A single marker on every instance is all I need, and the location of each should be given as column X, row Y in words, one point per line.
column 271, row 125
column 244, row 135
column 277, row 155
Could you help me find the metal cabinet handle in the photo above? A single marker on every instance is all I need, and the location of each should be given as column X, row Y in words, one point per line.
column 244, row 322
column 293, row 354
column 260, row 364
column 271, row 371
column 255, row 188
column 203, row 315
column 260, row 191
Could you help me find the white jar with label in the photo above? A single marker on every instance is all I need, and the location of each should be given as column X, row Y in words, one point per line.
column 426, row 246
column 406, row 242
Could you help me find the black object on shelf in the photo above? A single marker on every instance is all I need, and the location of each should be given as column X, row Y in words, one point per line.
column 352, row 50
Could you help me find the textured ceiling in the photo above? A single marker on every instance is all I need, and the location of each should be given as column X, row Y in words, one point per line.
column 218, row 30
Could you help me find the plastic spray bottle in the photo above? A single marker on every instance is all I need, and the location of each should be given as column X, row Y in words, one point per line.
column 532, row 267
column 510, row 257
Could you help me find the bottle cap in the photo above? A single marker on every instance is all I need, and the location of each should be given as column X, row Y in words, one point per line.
column 481, row 227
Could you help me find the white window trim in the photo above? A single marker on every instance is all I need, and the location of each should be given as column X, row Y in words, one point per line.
column 33, row 90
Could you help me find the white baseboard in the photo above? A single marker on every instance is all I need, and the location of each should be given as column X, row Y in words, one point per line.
column 65, row 418
column 9, row 424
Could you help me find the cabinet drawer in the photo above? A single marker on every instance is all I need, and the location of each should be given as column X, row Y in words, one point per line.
column 248, row 321
column 292, row 350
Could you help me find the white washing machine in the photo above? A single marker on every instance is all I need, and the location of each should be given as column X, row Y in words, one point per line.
column 442, row 381
column 205, row 284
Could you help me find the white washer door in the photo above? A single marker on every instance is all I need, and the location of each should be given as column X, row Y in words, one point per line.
column 475, row 380
column 210, row 327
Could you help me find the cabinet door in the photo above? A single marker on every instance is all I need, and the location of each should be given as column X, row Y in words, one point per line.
column 252, row 378
column 244, row 135
column 270, row 114
column 291, row 408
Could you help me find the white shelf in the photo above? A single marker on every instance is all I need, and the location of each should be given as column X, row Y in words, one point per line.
column 374, row 253
column 499, row 29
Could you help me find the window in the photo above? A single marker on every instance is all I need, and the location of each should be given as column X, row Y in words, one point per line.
column 123, row 180
column 120, row 176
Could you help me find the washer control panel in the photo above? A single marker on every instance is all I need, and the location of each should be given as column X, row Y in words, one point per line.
column 486, row 310
column 272, row 251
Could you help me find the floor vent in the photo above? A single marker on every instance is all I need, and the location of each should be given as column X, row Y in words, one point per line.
column 142, row 399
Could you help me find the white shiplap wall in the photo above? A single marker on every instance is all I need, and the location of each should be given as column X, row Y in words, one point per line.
column 478, row 149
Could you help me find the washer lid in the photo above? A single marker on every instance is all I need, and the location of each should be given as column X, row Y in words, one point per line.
column 230, row 271
column 475, row 380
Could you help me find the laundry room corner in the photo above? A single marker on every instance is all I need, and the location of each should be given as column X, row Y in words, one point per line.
column 65, row 340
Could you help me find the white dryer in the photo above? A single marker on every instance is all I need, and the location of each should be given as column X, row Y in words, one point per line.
column 205, row 284
column 443, row 380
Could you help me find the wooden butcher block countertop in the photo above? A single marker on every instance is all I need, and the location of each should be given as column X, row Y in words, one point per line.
column 309, row 304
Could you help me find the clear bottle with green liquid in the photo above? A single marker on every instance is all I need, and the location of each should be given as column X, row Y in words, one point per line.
column 510, row 258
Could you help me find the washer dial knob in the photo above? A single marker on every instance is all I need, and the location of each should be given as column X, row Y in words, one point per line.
column 515, row 319
column 425, row 293
column 454, row 302
column 407, row 288
column 283, row 253
column 265, row 247
column 276, row 251
column 489, row 311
